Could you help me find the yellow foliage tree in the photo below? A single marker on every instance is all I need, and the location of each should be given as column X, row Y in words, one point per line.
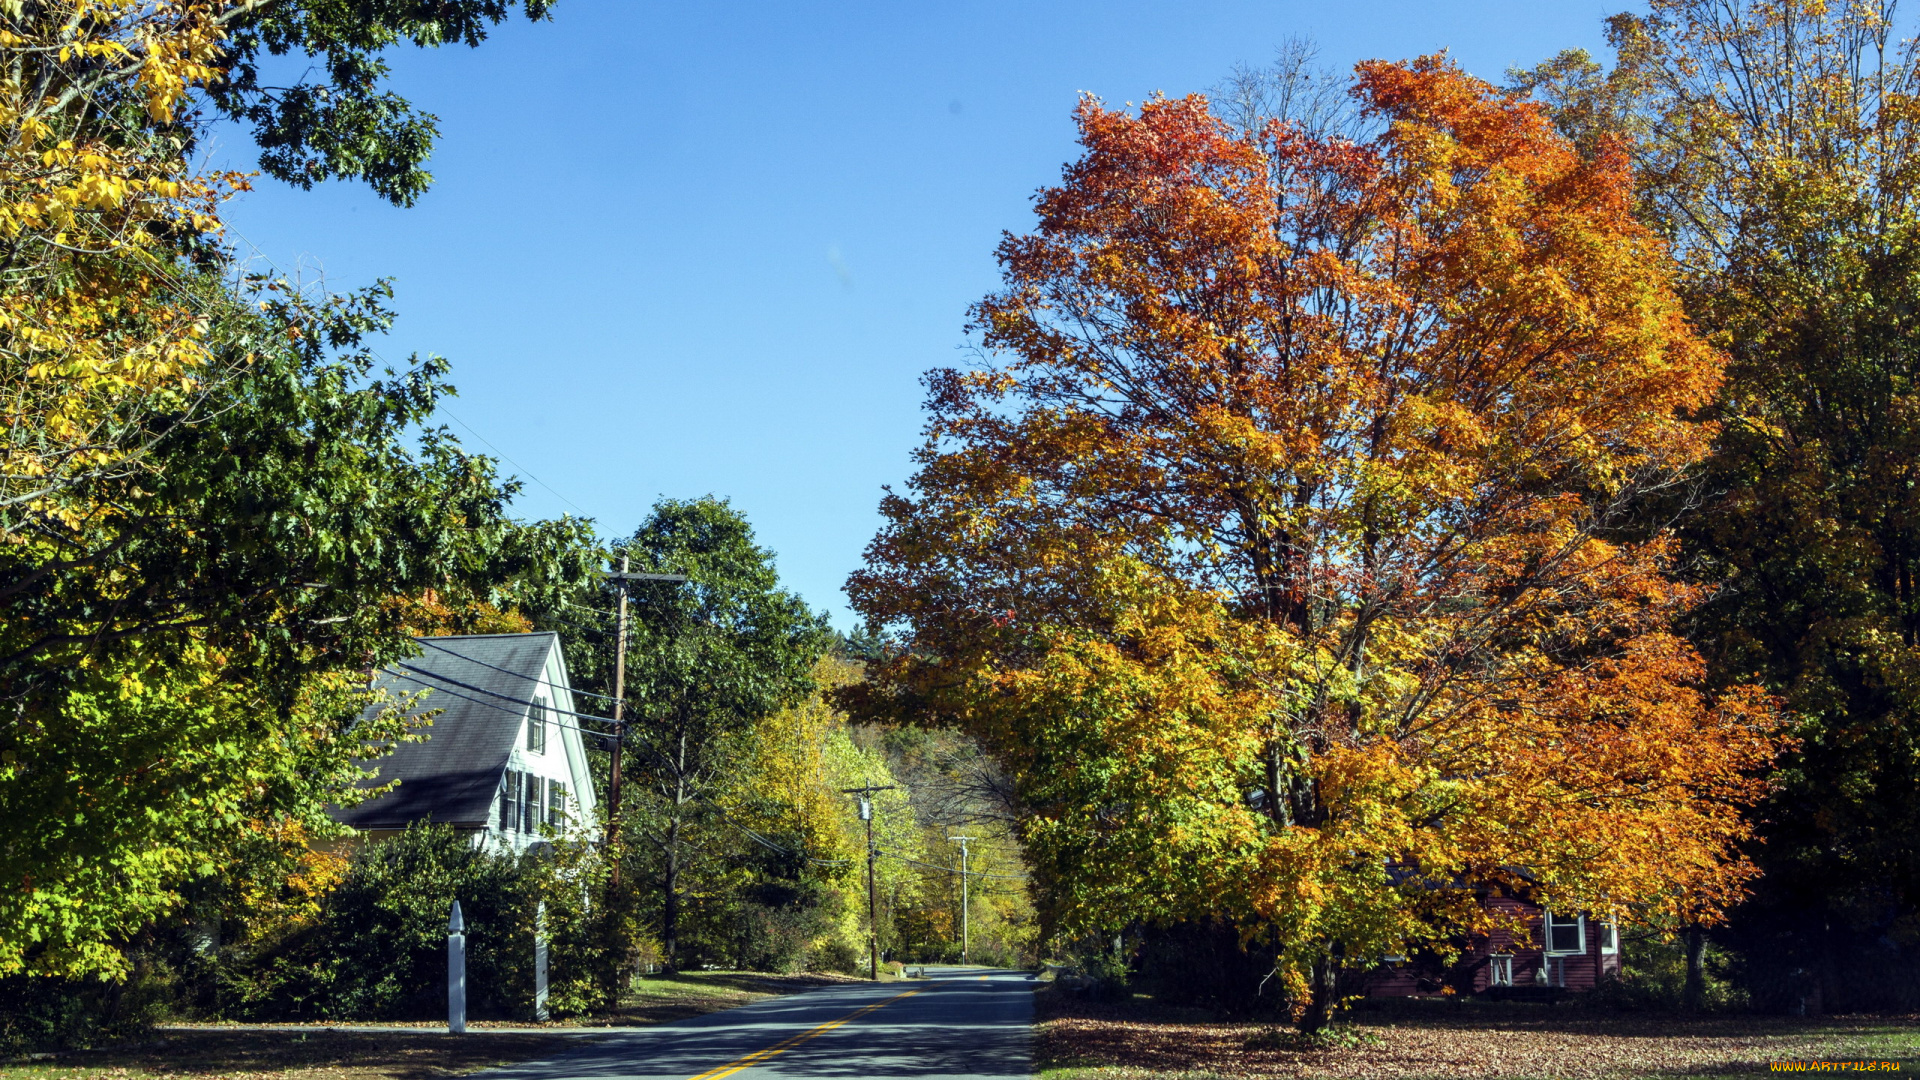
column 99, row 332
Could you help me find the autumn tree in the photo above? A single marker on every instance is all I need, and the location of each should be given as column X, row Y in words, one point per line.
column 1776, row 147
column 1290, row 544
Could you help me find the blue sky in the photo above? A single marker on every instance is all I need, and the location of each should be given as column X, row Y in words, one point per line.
column 709, row 249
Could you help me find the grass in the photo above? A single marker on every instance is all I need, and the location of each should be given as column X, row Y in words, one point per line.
column 1432, row 1040
column 412, row 1051
column 662, row 998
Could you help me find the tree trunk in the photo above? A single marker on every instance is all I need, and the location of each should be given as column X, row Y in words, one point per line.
column 1693, row 997
column 670, row 902
column 1826, row 980
column 1322, row 999
column 670, row 875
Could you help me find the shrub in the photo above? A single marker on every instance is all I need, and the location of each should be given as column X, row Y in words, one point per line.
column 1653, row 976
column 38, row 1014
column 377, row 950
column 836, row 953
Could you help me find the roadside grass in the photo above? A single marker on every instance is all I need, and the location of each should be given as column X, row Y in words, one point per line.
column 1433, row 1040
column 417, row 1050
column 658, row 999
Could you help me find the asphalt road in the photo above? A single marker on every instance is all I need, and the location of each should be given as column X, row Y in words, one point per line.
column 957, row 1024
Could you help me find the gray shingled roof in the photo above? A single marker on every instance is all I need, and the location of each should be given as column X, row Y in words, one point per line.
column 451, row 777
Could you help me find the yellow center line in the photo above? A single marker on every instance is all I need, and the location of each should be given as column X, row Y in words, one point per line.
column 782, row 1047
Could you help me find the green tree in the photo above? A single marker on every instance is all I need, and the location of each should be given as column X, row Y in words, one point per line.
column 211, row 519
column 187, row 661
column 1776, row 147
column 706, row 660
column 338, row 118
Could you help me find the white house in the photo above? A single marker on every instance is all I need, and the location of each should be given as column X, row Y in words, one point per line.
column 503, row 759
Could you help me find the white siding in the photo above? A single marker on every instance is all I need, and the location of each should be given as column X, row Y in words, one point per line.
column 564, row 758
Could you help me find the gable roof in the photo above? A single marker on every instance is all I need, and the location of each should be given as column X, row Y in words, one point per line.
column 452, row 776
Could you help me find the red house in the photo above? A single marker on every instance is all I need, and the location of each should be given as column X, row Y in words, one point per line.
column 1565, row 952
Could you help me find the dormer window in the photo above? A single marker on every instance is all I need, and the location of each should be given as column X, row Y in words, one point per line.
column 537, row 727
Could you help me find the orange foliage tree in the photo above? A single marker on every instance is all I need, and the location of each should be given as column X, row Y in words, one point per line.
column 1293, row 546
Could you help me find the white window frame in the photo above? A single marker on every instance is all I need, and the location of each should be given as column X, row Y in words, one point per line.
column 1609, row 938
column 537, row 727
column 533, row 811
column 1500, row 968
column 1546, row 925
column 510, row 802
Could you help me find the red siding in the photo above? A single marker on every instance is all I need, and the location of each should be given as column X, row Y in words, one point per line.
column 1473, row 974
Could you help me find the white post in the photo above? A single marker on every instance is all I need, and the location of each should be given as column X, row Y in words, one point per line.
column 966, row 910
column 540, row 961
column 456, row 973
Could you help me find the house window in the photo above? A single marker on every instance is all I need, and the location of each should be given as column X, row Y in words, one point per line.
column 1566, row 933
column 509, row 797
column 1609, row 936
column 556, row 804
column 530, row 810
column 1501, row 965
column 537, row 727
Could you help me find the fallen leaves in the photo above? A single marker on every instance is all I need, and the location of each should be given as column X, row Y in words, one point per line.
column 1443, row 1039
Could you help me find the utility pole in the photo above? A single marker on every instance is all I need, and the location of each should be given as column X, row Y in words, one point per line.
column 965, row 910
column 873, row 909
column 620, row 699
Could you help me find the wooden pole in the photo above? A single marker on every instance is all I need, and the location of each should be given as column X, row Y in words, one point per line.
column 873, row 908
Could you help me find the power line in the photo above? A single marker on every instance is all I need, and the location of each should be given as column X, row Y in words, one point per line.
column 499, row 708
column 439, row 403
column 439, row 407
column 952, row 869
column 506, row 671
column 590, row 607
column 490, row 693
column 764, row 842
